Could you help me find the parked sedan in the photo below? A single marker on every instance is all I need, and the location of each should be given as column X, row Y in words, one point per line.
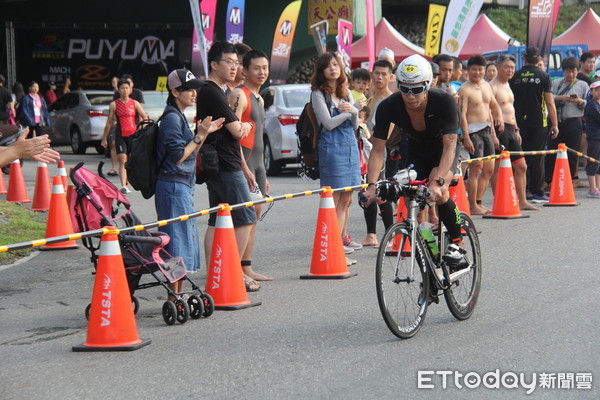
column 155, row 103
column 78, row 118
column 283, row 105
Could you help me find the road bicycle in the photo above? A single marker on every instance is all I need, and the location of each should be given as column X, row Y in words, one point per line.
column 409, row 274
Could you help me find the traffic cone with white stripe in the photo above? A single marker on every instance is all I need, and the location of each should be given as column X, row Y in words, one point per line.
column 62, row 172
column 111, row 326
column 328, row 258
column 225, row 280
column 41, row 195
column 401, row 215
column 59, row 219
column 17, row 191
column 458, row 194
column 506, row 202
column 561, row 190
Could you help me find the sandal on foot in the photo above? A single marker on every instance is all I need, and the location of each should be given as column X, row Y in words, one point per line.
column 251, row 286
column 112, row 172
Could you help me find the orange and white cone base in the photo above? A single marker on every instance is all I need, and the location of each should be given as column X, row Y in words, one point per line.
column 328, row 258
column 561, row 190
column 458, row 194
column 506, row 201
column 17, row 191
column 111, row 326
column 225, row 280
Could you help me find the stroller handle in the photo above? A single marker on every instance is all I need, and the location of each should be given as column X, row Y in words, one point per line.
column 142, row 239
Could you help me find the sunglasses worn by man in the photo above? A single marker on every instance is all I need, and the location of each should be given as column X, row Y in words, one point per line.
column 414, row 90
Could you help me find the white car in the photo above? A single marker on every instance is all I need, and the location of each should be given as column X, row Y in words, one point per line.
column 283, row 105
column 155, row 103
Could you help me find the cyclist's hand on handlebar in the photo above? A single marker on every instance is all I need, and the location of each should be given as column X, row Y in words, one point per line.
column 369, row 195
column 435, row 191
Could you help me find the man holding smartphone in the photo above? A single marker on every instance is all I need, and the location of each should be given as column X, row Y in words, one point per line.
column 569, row 96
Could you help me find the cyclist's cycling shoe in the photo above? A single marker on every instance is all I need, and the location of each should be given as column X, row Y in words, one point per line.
column 454, row 257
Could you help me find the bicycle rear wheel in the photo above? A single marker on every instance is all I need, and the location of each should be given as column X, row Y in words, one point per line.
column 461, row 297
column 402, row 294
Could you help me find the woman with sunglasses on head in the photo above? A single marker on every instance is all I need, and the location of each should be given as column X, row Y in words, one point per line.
column 430, row 119
column 339, row 162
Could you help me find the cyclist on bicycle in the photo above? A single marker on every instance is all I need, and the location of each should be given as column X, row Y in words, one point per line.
column 430, row 119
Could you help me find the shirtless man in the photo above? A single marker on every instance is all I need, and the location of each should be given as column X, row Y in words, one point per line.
column 476, row 100
column 510, row 137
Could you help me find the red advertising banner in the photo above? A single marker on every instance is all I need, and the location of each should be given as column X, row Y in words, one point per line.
column 282, row 42
column 371, row 32
column 208, row 10
column 540, row 25
column 344, row 43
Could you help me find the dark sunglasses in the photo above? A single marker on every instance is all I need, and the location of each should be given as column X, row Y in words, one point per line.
column 415, row 90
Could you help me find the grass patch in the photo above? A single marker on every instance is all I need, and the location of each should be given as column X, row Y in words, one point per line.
column 514, row 21
column 19, row 224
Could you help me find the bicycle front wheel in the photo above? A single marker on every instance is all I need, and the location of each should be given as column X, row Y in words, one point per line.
column 402, row 291
column 461, row 297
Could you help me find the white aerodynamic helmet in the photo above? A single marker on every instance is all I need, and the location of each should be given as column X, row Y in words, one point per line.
column 414, row 69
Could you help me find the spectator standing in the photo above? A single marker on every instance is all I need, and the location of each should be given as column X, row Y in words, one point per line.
column 248, row 106
column 570, row 99
column 50, row 94
column 587, row 64
column 229, row 185
column 242, row 50
column 33, row 110
column 7, row 105
column 339, row 162
column 66, row 86
column 532, row 89
column 592, row 122
column 176, row 150
column 126, row 112
column 491, row 71
column 361, row 80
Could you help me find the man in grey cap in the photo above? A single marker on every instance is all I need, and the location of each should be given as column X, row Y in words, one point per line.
column 532, row 89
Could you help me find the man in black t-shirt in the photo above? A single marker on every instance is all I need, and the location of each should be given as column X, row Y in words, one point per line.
column 229, row 185
column 532, row 89
column 430, row 120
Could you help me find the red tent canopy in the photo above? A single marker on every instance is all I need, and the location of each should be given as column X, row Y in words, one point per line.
column 584, row 31
column 385, row 36
column 484, row 36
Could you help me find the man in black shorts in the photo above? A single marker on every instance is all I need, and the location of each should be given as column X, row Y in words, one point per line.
column 430, row 119
column 229, row 185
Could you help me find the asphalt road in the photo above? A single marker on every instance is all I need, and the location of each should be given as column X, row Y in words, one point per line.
column 321, row 339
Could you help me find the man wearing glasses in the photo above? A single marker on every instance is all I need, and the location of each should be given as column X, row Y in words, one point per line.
column 430, row 119
column 229, row 185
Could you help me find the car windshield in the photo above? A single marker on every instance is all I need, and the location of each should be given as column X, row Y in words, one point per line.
column 296, row 97
column 99, row 99
column 158, row 100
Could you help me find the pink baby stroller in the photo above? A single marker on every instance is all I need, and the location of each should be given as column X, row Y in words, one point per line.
column 95, row 203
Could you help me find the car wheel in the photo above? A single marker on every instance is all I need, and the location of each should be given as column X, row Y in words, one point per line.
column 77, row 142
column 273, row 167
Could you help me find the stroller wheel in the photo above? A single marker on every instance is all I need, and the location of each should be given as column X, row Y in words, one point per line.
column 183, row 311
column 136, row 304
column 169, row 312
column 209, row 305
column 87, row 311
column 196, row 307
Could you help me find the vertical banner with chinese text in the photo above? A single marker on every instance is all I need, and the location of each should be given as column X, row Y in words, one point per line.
column 435, row 27
column 282, row 42
column 234, row 28
column 370, row 32
column 344, row 43
column 540, row 23
column 460, row 17
column 208, row 12
column 331, row 11
column 319, row 32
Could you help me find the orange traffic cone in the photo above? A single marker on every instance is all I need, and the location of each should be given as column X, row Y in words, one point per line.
column 41, row 195
column 2, row 185
column 17, row 192
column 111, row 326
column 225, row 280
column 62, row 172
column 328, row 258
column 59, row 219
column 458, row 194
column 561, row 190
column 506, row 202
column 401, row 215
